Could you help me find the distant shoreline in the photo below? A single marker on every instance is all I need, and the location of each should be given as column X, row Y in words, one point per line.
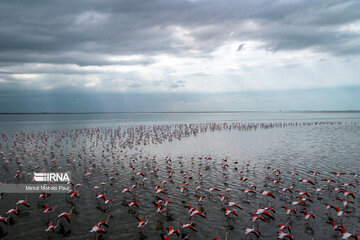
column 164, row 112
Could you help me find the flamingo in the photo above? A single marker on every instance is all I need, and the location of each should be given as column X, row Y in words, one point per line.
column 289, row 211
column 42, row 197
column 160, row 208
column 337, row 189
column 348, row 185
column 335, row 226
column 345, row 203
column 172, row 231
column 243, row 179
column 255, row 217
column 166, row 202
column 305, row 199
column 10, row 213
column 297, row 203
column 140, row 174
column 160, row 191
column 314, row 173
column 339, row 212
column 189, row 225
column 283, row 235
column 307, row 215
column 164, row 237
column 21, row 203
column 104, row 223
column 252, row 186
column 66, row 216
column 276, row 181
column 303, row 193
column 103, row 196
column 107, row 202
column 246, row 191
column 228, row 212
column 3, row 220
column 51, row 228
column 269, row 209
column 73, row 196
column 356, row 175
column 133, row 203
column 195, row 211
column 201, row 198
column 96, row 229
column 191, row 208
column 251, row 230
column 318, row 189
column 182, row 189
column 328, row 181
column 338, row 174
column 47, row 211
column 266, row 193
column 211, row 189
column 347, row 235
column 283, row 189
column 282, row 227
column 232, row 204
column 222, row 197
column 264, row 212
column 125, row 190
column 306, row 181
column 346, row 194
column 141, row 222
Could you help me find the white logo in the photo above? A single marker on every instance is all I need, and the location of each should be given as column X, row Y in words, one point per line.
column 51, row 177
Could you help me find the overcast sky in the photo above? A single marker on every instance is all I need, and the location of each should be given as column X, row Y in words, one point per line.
column 179, row 55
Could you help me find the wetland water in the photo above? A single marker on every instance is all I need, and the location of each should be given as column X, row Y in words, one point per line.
column 202, row 149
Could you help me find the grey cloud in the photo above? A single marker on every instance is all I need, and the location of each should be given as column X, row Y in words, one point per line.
column 177, row 85
column 129, row 27
column 135, row 85
column 77, row 58
column 89, row 32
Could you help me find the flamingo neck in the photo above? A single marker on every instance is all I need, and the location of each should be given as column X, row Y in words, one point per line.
column 58, row 222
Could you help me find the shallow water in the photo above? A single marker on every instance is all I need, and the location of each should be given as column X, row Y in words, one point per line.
column 323, row 148
column 32, row 122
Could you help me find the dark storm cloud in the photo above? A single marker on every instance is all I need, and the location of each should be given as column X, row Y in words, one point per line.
column 111, row 45
column 37, row 29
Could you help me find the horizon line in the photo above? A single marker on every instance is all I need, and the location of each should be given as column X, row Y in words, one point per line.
column 135, row 112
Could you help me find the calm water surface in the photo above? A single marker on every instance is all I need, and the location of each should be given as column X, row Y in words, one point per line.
column 29, row 122
column 116, row 145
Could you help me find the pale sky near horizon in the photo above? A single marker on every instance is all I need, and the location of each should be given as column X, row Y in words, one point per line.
column 179, row 55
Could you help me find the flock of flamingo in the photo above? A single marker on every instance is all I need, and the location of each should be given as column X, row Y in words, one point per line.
column 169, row 197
